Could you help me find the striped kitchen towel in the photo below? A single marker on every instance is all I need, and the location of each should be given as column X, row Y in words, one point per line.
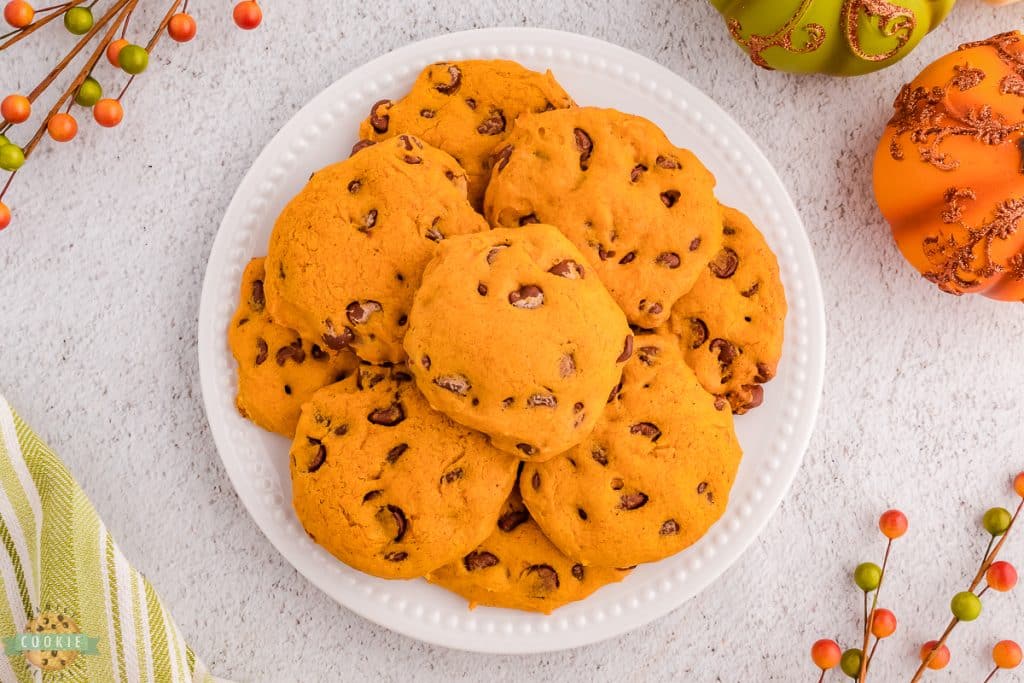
column 75, row 609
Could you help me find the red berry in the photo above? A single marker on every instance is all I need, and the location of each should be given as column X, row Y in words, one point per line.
column 182, row 27
column 893, row 524
column 15, row 108
column 248, row 15
column 108, row 113
column 114, row 50
column 1018, row 484
column 5, row 216
column 1007, row 654
column 883, row 624
column 19, row 13
column 826, row 654
column 62, row 127
column 1001, row 576
column 941, row 657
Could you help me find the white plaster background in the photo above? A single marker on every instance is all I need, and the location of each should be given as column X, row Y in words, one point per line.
column 100, row 277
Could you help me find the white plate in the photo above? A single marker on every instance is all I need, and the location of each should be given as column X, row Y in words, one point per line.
column 774, row 436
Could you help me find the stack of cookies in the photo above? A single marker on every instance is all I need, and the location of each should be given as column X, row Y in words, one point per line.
column 508, row 337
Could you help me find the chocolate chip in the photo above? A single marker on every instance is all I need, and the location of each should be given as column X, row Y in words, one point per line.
column 433, row 233
column 396, row 557
column 412, row 159
column 354, row 186
column 395, row 453
column 702, row 487
column 568, row 269
column 752, row 291
column 507, row 402
column 455, row 80
column 261, row 351
column 527, row 449
column 341, row 430
column 600, row 455
column 402, row 320
column 493, row 253
column 481, row 289
column 546, row 575
column 668, row 259
column 648, row 355
column 452, row 476
column 617, row 484
column 471, row 103
column 667, row 162
column 387, row 417
column 627, row 350
column 695, row 244
column 479, row 559
column 527, row 296
column 577, row 572
column 582, row 513
column 528, row 219
column 379, row 120
column 756, row 396
column 648, row 429
column 317, row 353
column 427, row 113
column 372, row 495
column 542, row 400
column 711, row 496
column 501, row 157
column 637, row 171
column 698, row 332
column 725, row 263
column 764, row 373
column 358, row 312
column 603, row 253
column 670, row 197
column 425, row 362
column 585, row 146
column 669, row 527
column 729, row 231
column 615, row 392
column 535, row 481
column 726, row 351
column 632, row 501
column 492, row 125
column 513, row 518
column 654, row 309
column 397, row 516
column 293, row 352
column 566, row 365
column 318, row 457
column 720, row 403
column 257, row 301
column 628, row 258
column 361, row 145
column 457, row 384
column 369, row 220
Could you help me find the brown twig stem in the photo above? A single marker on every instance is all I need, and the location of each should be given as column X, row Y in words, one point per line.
column 163, row 26
column 870, row 616
column 36, row 25
column 991, row 675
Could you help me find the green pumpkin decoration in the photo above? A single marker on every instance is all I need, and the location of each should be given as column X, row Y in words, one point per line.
column 841, row 37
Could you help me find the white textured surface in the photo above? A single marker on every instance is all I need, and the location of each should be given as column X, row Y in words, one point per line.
column 100, row 279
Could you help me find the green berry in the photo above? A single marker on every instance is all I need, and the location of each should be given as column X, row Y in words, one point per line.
column 89, row 93
column 867, row 576
column 996, row 521
column 11, row 157
column 133, row 59
column 965, row 606
column 78, row 20
column 850, row 662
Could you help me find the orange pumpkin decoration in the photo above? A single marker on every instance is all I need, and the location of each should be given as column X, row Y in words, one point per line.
column 949, row 171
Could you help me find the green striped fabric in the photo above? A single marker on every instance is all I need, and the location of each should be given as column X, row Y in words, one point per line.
column 58, row 558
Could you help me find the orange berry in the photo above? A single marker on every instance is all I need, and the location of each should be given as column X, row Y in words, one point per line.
column 883, row 624
column 62, row 127
column 5, row 216
column 826, row 654
column 1007, row 654
column 108, row 113
column 1018, row 484
column 1001, row 576
column 182, row 27
column 248, row 14
column 15, row 108
column 114, row 49
column 941, row 658
column 19, row 13
column 893, row 524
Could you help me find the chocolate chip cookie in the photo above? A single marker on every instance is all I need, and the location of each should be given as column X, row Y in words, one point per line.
column 518, row 567
column 388, row 485
column 466, row 108
column 347, row 253
column 653, row 476
column 277, row 369
column 730, row 325
column 512, row 333
column 640, row 208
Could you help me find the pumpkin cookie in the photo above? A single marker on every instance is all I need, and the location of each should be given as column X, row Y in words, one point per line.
column 466, row 109
column 653, row 476
column 386, row 484
column 640, row 208
column 517, row 567
column 513, row 334
column 347, row 253
column 730, row 325
column 277, row 370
